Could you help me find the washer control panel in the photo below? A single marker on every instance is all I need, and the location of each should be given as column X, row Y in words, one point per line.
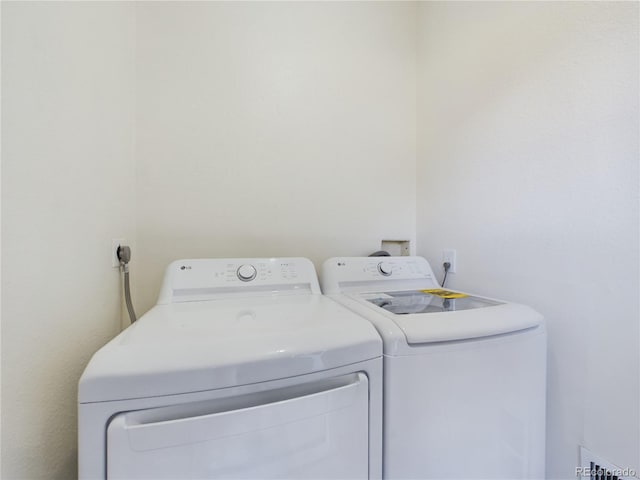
column 390, row 267
column 197, row 279
column 359, row 273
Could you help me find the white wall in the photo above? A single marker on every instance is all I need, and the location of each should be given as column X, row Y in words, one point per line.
column 67, row 181
column 272, row 129
column 528, row 166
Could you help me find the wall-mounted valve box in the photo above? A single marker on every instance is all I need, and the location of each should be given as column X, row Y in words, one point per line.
column 396, row 248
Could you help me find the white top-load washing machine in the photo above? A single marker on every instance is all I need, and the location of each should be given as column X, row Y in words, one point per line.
column 242, row 370
column 464, row 376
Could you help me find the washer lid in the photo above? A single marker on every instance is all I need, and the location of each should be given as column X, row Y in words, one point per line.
column 434, row 300
column 446, row 315
column 196, row 346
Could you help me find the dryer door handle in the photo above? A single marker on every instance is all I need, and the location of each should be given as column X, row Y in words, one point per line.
column 203, row 421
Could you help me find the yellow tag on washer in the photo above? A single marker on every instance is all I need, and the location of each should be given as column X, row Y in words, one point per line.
column 439, row 292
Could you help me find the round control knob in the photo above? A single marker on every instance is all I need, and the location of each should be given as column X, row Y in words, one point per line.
column 385, row 268
column 246, row 273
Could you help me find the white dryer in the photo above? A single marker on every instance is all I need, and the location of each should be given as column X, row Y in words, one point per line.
column 464, row 376
column 242, row 370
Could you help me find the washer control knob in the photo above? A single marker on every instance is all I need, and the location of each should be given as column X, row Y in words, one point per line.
column 385, row 268
column 246, row 273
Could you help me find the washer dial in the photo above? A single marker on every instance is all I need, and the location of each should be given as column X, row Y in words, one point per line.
column 385, row 268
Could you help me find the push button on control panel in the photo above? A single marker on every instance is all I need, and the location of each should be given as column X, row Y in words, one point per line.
column 246, row 272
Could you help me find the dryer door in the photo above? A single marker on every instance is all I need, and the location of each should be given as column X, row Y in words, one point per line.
column 315, row 431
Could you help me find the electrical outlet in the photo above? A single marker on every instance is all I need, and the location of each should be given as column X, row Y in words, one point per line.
column 115, row 243
column 449, row 255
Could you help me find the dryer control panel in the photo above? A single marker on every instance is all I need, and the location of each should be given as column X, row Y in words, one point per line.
column 203, row 279
column 342, row 274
